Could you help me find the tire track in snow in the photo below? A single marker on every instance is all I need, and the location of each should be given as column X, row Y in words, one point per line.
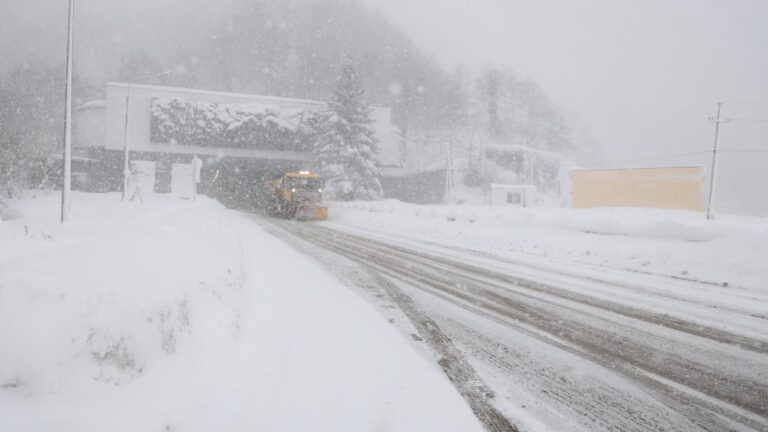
column 483, row 275
column 575, row 270
column 599, row 404
column 452, row 362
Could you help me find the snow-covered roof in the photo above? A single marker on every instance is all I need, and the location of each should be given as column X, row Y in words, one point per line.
column 638, row 168
column 509, row 148
column 94, row 104
column 231, row 116
column 511, row 186
column 268, row 99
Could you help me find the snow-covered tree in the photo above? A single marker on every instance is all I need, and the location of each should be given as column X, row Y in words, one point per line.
column 345, row 154
column 31, row 125
column 517, row 111
column 246, row 125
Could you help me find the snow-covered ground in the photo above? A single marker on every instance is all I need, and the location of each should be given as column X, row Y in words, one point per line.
column 176, row 316
column 731, row 250
column 584, row 320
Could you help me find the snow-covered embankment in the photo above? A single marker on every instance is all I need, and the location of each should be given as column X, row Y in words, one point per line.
column 729, row 251
column 174, row 316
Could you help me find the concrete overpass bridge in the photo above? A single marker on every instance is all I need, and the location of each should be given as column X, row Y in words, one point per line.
column 139, row 116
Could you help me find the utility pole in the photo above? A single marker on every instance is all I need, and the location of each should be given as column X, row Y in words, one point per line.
column 717, row 120
column 126, row 151
column 67, row 183
column 530, row 155
column 448, row 174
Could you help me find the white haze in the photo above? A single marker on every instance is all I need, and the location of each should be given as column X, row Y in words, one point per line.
column 641, row 76
column 638, row 79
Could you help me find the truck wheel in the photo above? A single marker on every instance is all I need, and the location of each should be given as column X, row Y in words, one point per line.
column 290, row 211
column 270, row 208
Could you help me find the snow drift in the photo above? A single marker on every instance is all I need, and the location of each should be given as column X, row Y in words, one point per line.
column 183, row 317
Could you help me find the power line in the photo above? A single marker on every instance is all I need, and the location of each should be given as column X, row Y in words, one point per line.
column 652, row 133
column 678, row 155
column 672, row 156
column 651, row 117
column 672, row 127
column 749, row 103
column 751, row 119
column 745, row 150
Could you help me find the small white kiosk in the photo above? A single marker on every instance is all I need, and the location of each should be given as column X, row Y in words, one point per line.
column 513, row 195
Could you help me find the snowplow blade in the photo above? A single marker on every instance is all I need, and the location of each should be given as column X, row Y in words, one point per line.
column 321, row 213
column 313, row 213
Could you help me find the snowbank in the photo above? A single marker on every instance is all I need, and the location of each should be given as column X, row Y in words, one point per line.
column 183, row 317
column 8, row 213
column 729, row 250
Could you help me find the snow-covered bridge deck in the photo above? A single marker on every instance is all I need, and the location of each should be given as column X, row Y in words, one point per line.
column 103, row 124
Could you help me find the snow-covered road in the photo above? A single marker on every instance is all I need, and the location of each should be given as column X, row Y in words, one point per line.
column 576, row 347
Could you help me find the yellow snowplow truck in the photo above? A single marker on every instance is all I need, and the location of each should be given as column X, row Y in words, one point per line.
column 297, row 195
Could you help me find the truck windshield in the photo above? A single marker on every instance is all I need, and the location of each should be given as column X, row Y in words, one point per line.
column 303, row 183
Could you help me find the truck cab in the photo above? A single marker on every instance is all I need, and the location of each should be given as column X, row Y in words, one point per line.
column 297, row 195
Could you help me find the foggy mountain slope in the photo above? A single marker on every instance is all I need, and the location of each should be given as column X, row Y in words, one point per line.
column 286, row 48
column 105, row 30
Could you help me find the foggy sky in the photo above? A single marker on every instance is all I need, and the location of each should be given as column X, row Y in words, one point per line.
column 641, row 76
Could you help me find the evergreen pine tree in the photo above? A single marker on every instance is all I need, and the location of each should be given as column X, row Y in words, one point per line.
column 346, row 152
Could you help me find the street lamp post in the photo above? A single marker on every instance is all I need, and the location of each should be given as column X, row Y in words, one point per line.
column 126, row 149
column 67, row 160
